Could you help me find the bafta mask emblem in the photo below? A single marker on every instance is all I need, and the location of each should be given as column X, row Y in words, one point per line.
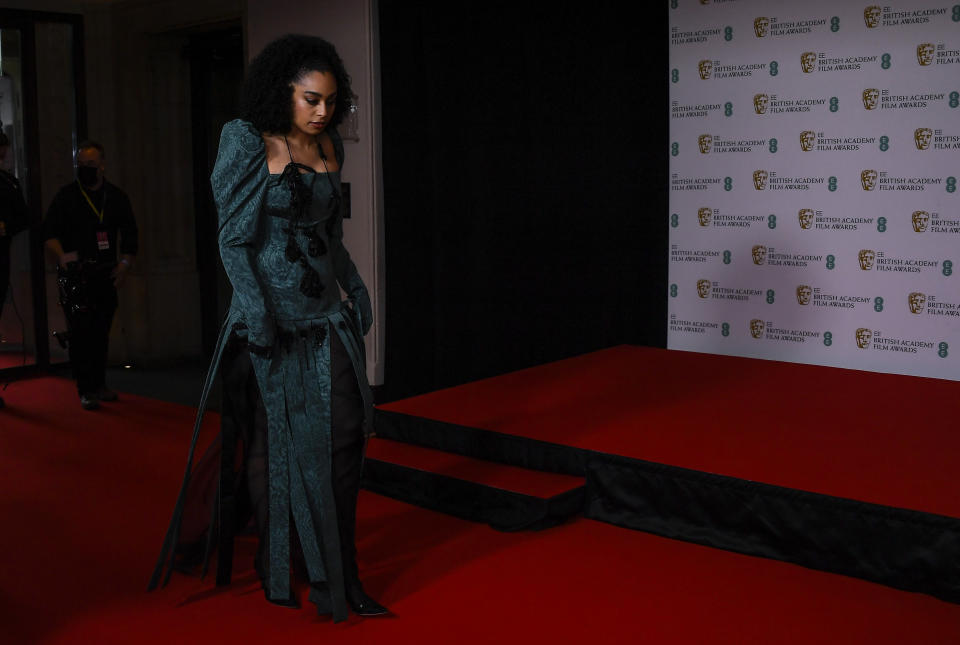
column 920, row 220
column 760, row 103
column 917, row 301
column 705, row 67
column 705, row 141
column 760, row 179
column 761, row 26
column 703, row 288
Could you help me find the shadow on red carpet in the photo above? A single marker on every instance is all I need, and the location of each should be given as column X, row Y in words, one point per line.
column 85, row 498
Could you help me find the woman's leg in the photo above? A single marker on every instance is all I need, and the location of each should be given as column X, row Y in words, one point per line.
column 243, row 410
column 347, row 457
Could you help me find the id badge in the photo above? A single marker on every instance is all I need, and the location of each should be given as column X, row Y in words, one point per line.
column 103, row 242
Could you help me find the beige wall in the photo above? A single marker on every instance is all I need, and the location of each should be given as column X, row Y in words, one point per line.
column 138, row 97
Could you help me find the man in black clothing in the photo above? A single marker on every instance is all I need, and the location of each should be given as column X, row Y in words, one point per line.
column 82, row 227
column 13, row 219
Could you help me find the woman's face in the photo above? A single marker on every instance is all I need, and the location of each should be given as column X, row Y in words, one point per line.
column 314, row 100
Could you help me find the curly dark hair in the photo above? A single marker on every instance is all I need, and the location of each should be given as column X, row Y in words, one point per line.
column 266, row 99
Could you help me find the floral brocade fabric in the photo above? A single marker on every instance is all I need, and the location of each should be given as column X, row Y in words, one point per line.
column 281, row 242
column 294, row 250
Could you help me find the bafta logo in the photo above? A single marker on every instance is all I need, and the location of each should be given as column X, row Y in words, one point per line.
column 760, row 179
column 759, row 254
column 864, row 336
column 761, row 26
column 705, row 141
column 706, row 68
column 866, row 258
column 925, row 54
column 920, row 220
column 871, row 16
column 756, row 328
column 808, row 138
column 760, row 103
column 871, row 96
column 868, row 179
column 922, row 137
column 703, row 288
column 704, row 215
column 806, row 218
column 803, row 294
column 917, row 301
column 808, row 61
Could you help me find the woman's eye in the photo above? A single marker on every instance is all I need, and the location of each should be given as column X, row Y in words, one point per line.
column 312, row 101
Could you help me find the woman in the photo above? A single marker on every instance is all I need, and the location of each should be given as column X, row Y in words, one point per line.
column 295, row 388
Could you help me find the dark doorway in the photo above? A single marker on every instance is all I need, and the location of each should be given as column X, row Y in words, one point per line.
column 43, row 114
column 216, row 74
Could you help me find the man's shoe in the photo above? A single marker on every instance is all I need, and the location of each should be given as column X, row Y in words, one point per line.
column 362, row 604
column 89, row 402
column 106, row 394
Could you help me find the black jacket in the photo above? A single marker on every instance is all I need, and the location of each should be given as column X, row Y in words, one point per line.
column 71, row 220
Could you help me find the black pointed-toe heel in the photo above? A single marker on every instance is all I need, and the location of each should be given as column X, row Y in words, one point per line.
column 362, row 604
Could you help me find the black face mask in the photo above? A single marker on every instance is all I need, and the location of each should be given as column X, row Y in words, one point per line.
column 87, row 175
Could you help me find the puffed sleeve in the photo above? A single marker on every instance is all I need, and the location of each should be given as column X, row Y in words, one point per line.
column 239, row 181
column 346, row 272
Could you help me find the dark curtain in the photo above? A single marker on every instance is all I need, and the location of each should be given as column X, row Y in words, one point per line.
column 524, row 160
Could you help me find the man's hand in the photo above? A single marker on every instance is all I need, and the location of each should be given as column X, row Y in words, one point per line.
column 120, row 271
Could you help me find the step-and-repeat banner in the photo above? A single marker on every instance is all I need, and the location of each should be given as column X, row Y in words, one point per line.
column 814, row 159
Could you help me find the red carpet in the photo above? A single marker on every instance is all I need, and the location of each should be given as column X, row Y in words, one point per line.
column 85, row 498
column 880, row 438
column 14, row 359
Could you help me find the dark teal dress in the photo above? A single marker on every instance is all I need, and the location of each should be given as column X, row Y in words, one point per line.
column 281, row 241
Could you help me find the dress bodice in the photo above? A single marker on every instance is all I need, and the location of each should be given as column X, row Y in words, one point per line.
column 284, row 256
column 282, row 268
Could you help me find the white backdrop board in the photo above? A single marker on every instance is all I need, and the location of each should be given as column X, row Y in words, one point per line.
column 814, row 210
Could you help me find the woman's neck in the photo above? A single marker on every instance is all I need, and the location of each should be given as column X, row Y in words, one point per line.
column 300, row 140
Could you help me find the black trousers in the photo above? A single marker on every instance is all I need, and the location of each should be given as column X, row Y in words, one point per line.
column 243, row 415
column 90, row 332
